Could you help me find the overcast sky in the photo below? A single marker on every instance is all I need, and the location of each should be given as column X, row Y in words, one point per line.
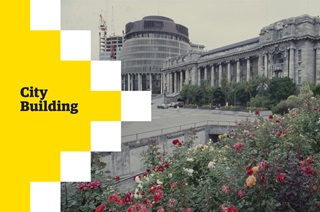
column 213, row 23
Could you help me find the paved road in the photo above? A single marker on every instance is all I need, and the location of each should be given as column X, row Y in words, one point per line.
column 173, row 119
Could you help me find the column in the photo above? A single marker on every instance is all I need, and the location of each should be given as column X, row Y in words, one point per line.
column 205, row 73
column 260, row 70
column 161, row 82
column 187, row 77
column 170, row 82
column 139, row 82
column 229, row 70
column 248, row 69
column 133, row 76
column 266, row 65
column 194, row 75
column 220, row 74
column 175, row 83
column 199, row 76
column 181, row 80
column 150, row 82
column 317, row 66
column 238, row 70
column 129, row 82
column 291, row 70
column 212, row 75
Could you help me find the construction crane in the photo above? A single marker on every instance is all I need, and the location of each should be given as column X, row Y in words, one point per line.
column 103, row 24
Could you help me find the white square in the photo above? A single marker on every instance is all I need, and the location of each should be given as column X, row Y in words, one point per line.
column 75, row 45
column 105, row 75
column 105, row 136
column 136, row 106
column 45, row 196
column 75, row 166
column 45, row 15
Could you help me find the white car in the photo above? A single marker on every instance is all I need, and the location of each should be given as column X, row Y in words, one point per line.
column 162, row 106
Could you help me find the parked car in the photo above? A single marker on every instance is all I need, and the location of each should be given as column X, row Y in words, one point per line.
column 173, row 104
column 162, row 106
column 180, row 104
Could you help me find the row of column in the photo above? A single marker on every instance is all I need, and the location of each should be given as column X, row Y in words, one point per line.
column 174, row 81
column 128, row 81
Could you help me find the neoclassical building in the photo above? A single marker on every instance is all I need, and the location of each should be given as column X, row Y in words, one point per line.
column 290, row 47
column 147, row 43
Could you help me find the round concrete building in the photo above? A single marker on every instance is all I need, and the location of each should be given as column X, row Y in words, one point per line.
column 147, row 43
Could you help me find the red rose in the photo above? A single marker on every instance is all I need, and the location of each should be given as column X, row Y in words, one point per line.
column 153, row 188
column 100, row 208
column 128, row 197
column 263, row 164
column 257, row 112
column 278, row 121
column 148, row 203
column 280, row 177
column 307, row 170
column 82, row 186
column 315, row 108
column 117, row 178
column 132, row 209
column 241, row 194
column 157, row 196
column 271, row 117
column 225, row 189
column 165, row 164
column 309, row 160
column 279, row 133
column 179, row 144
column 175, row 141
column 238, row 146
column 160, row 168
column 232, row 209
column 173, row 186
column 114, row 197
column 249, row 170
column 160, row 209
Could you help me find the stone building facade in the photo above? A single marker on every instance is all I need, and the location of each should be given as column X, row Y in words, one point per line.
column 290, row 47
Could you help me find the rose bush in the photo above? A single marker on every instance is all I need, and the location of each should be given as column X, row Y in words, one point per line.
column 270, row 164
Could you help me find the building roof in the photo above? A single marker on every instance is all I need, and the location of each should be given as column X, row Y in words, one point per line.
column 232, row 46
column 158, row 24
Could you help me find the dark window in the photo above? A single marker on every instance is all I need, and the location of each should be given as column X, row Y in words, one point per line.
column 299, row 55
column 153, row 24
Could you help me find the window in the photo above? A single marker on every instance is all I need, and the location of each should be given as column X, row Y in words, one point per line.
column 279, row 34
column 299, row 55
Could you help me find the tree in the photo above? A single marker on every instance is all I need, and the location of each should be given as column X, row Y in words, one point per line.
column 248, row 87
column 281, row 89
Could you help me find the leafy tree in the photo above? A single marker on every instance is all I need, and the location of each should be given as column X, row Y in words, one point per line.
column 188, row 93
column 281, row 89
column 217, row 95
column 316, row 90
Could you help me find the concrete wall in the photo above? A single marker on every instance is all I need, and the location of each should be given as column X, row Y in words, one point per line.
column 128, row 161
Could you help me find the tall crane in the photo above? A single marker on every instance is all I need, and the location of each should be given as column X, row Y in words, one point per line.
column 103, row 24
column 103, row 38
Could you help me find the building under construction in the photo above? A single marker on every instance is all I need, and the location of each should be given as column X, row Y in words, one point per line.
column 109, row 46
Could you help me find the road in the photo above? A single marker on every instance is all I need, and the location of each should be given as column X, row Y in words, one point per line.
column 175, row 120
